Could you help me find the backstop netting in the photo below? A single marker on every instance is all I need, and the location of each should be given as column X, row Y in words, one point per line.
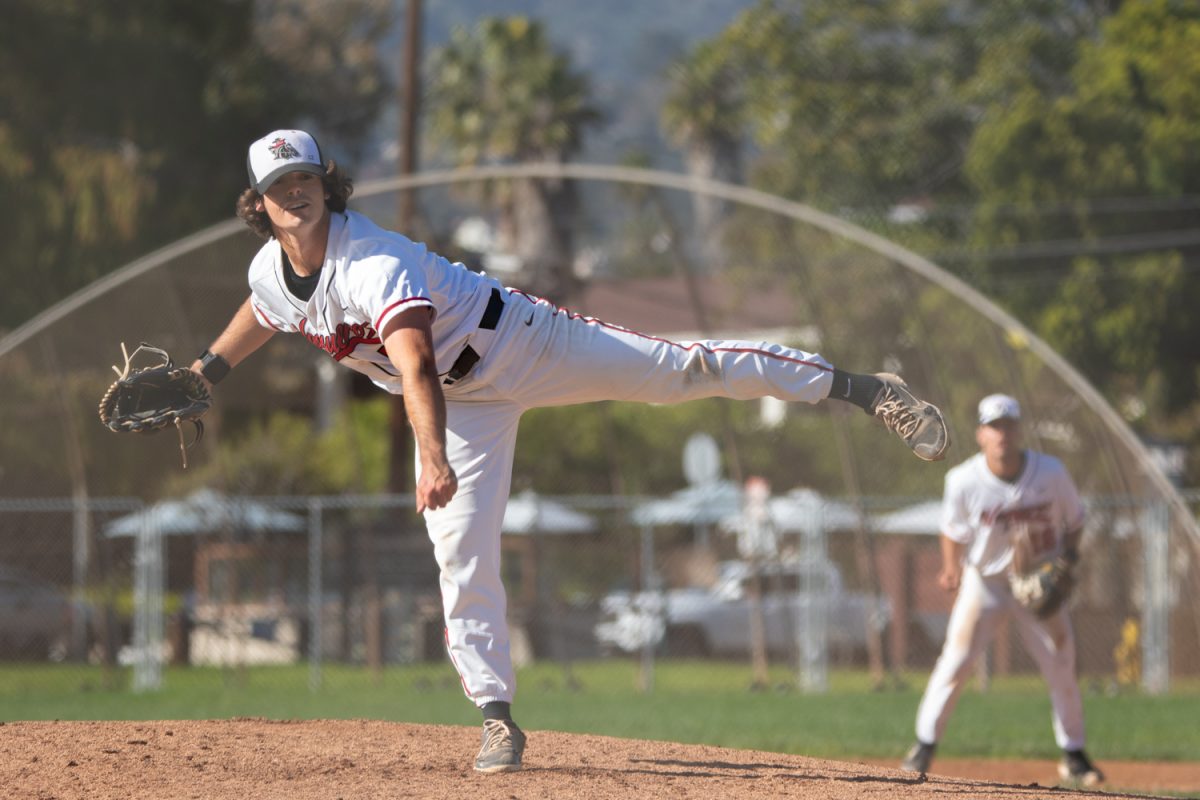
column 852, row 523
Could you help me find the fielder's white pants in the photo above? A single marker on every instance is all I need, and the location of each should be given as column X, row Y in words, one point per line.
column 981, row 605
column 543, row 356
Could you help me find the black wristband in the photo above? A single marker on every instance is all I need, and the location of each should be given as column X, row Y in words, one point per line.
column 213, row 367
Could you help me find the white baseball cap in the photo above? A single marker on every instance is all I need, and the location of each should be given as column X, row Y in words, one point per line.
column 279, row 153
column 998, row 406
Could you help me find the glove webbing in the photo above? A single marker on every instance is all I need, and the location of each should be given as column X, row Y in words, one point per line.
column 122, row 374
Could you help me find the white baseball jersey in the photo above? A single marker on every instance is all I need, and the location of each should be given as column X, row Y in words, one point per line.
column 370, row 275
column 985, row 513
column 530, row 354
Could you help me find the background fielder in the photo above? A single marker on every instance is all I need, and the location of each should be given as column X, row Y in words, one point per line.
column 1000, row 495
column 471, row 356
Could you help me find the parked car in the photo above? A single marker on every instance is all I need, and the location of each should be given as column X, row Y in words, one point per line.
column 715, row 620
column 35, row 617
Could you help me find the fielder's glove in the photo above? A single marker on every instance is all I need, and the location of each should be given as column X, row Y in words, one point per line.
column 1045, row 588
column 149, row 399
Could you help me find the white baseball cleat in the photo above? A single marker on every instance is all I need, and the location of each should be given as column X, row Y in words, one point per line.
column 918, row 423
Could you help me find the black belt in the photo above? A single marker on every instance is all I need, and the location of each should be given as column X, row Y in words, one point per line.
column 468, row 358
column 491, row 314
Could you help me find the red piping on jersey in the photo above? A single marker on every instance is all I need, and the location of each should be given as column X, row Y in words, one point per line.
column 593, row 321
column 263, row 316
column 382, row 314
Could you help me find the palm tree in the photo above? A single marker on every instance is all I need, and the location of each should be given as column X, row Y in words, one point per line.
column 500, row 94
column 704, row 115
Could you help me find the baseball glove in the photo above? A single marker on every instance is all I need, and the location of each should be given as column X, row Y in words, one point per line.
column 1045, row 588
column 149, row 399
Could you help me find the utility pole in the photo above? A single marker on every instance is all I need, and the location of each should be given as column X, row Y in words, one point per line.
column 399, row 463
column 409, row 107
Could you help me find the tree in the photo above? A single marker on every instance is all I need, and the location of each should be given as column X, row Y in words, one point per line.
column 501, row 94
column 279, row 454
column 1051, row 146
column 704, row 115
column 124, row 121
column 842, row 100
column 1126, row 128
column 328, row 56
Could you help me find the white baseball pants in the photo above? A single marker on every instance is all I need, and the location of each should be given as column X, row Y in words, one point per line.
column 981, row 605
column 543, row 356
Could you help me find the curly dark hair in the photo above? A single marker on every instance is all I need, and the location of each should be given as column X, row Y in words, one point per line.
column 338, row 186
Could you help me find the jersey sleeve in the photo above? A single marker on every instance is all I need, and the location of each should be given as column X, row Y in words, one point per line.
column 384, row 286
column 1070, row 505
column 956, row 522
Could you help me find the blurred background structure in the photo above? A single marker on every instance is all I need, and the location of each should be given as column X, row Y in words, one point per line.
column 982, row 196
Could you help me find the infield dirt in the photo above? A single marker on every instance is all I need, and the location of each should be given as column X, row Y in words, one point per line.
column 249, row 759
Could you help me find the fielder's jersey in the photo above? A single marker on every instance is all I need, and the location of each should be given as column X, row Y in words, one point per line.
column 370, row 275
column 985, row 513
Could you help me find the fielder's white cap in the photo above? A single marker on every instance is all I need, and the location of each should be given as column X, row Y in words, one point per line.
column 998, row 406
column 279, row 153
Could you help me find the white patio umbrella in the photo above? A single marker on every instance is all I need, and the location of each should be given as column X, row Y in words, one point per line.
column 703, row 504
column 204, row 511
column 528, row 513
column 790, row 511
column 920, row 519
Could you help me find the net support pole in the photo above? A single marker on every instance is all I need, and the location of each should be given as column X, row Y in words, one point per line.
column 1156, row 598
column 315, row 548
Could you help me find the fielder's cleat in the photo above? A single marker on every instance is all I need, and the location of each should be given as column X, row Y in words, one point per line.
column 918, row 423
column 503, row 744
column 919, row 758
column 1078, row 769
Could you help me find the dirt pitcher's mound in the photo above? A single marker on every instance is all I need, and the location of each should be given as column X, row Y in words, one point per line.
column 248, row 759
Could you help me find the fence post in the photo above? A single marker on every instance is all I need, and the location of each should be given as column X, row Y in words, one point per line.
column 1156, row 598
column 80, row 557
column 813, row 590
column 147, row 606
column 315, row 603
column 650, row 583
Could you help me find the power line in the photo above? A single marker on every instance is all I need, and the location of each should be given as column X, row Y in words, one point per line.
column 1108, row 274
column 1132, row 243
column 1089, row 207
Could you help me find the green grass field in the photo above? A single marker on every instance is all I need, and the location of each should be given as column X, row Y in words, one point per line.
column 696, row 702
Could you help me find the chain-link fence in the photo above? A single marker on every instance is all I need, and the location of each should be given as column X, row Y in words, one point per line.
column 70, row 593
column 711, row 572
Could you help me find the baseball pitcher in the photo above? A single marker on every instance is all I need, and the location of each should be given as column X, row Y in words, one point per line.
column 470, row 357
